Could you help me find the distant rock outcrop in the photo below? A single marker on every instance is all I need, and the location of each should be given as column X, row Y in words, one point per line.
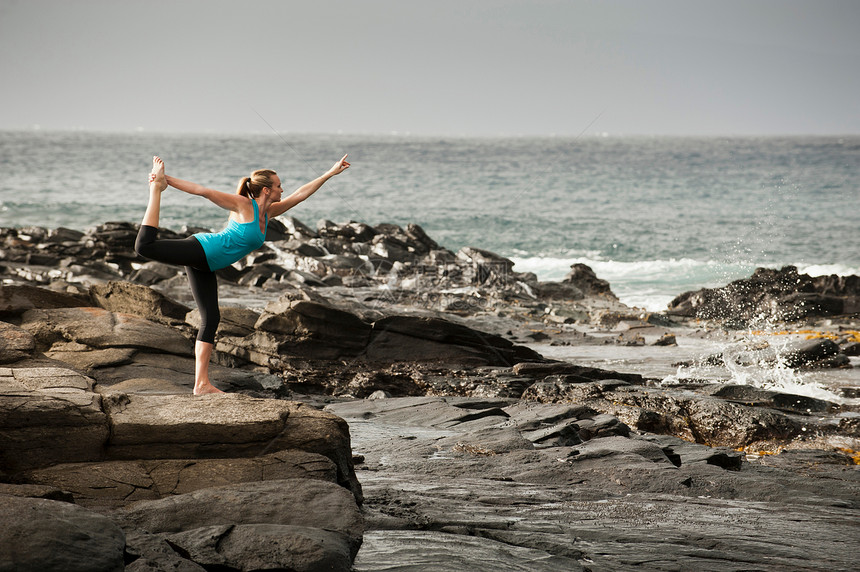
column 776, row 295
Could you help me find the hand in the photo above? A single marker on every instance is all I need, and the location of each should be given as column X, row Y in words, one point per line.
column 339, row 167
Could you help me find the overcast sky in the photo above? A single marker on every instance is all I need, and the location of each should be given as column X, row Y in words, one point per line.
column 436, row 67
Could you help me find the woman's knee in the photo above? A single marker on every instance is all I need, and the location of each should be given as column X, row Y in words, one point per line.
column 209, row 320
column 145, row 237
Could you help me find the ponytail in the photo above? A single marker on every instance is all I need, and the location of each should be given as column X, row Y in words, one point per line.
column 243, row 187
column 252, row 186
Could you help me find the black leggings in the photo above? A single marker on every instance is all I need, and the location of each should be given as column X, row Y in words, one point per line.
column 189, row 253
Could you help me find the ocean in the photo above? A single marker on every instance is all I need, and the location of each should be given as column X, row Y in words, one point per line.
column 655, row 216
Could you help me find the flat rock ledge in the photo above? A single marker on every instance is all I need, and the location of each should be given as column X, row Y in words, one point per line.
column 480, row 484
column 166, row 482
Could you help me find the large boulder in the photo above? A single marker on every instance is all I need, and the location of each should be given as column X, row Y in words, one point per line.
column 51, row 536
column 305, row 503
column 128, row 298
column 49, row 415
column 313, row 329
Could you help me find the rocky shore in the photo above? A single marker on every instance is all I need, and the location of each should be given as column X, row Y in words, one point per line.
column 395, row 405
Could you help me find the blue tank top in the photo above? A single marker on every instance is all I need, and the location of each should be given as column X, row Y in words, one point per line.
column 234, row 242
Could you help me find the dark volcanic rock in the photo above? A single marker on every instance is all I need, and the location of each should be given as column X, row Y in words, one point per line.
column 773, row 294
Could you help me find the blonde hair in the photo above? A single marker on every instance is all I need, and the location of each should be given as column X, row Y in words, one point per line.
column 252, row 186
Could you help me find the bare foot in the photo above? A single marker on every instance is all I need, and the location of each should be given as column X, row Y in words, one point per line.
column 206, row 388
column 157, row 174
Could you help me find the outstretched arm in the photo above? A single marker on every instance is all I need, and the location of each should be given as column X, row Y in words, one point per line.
column 228, row 201
column 307, row 189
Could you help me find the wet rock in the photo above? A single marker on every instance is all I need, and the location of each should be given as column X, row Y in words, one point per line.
column 772, row 294
column 713, row 421
column 810, row 351
column 52, row 536
column 750, row 395
column 807, row 353
column 454, row 468
column 667, row 339
column 630, row 338
column 544, row 369
column 422, row 550
column 851, row 349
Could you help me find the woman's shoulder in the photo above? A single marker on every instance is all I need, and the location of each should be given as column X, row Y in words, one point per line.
column 247, row 211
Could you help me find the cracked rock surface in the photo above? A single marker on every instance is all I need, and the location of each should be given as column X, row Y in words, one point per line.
column 464, row 483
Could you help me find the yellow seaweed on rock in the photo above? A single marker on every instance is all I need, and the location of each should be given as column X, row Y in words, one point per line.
column 853, row 335
column 855, row 455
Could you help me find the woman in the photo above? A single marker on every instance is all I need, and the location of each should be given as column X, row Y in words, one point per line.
column 204, row 253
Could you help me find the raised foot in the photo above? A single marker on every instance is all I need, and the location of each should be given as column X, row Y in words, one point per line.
column 205, row 389
column 156, row 176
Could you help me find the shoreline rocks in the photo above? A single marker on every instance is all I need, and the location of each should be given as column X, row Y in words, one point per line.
column 388, row 391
